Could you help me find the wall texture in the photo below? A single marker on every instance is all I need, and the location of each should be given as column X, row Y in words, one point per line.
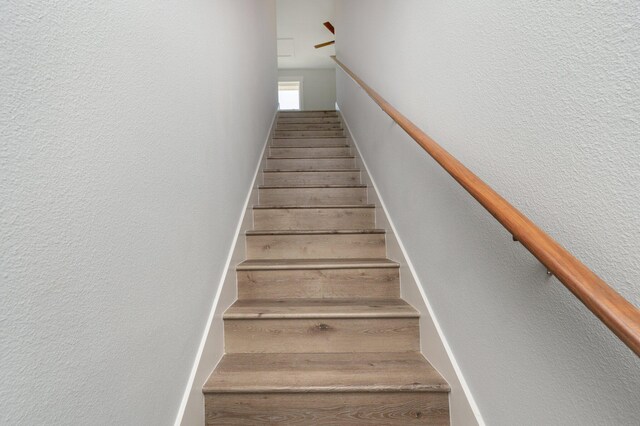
column 301, row 20
column 541, row 100
column 318, row 87
column 130, row 133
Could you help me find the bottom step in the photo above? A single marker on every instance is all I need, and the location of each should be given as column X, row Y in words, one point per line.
column 360, row 408
column 323, row 389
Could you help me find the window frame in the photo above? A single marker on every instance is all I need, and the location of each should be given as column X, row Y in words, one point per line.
column 293, row 79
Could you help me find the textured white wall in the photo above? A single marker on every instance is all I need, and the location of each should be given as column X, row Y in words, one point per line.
column 541, row 100
column 302, row 21
column 318, row 87
column 129, row 135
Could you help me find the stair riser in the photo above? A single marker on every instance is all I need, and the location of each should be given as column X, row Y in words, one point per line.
column 310, row 142
column 308, row 133
column 340, row 408
column 322, row 246
column 310, row 163
column 312, row 178
column 308, row 120
column 312, row 196
column 307, row 114
column 311, row 152
column 309, row 126
column 309, row 219
column 321, row 335
column 321, row 283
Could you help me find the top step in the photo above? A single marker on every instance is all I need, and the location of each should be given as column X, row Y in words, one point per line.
column 308, row 120
column 293, row 114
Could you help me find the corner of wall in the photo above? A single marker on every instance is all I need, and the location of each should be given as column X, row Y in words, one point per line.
column 433, row 343
column 211, row 349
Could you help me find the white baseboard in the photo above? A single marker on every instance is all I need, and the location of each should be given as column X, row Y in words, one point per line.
column 211, row 349
column 433, row 343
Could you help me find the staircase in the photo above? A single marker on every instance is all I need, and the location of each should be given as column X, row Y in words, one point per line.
column 319, row 334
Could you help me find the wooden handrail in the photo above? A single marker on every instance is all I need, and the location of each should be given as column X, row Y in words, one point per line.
column 614, row 311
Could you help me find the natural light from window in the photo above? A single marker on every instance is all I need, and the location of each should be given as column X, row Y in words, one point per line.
column 289, row 95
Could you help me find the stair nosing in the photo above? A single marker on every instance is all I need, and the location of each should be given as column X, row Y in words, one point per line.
column 236, row 373
column 311, row 170
column 298, row 264
column 311, row 158
column 359, row 185
column 296, row 316
column 305, row 111
column 308, row 147
column 257, row 232
column 327, row 389
column 259, row 309
column 309, row 122
column 315, row 206
column 318, row 137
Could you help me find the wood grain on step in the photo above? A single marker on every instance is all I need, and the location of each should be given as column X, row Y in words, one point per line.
column 332, row 372
column 307, row 133
column 308, row 120
column 313, row 264
column 320, row 308
column 315, row 246
column 308, row 126
column 358, row 409
column 313, row 195
column 314, row 218
column 311, row 163
column 307, row 114
column 321, row 283
column 310, row 142
column 309, row 152
column 336, row 177
column 322, row 335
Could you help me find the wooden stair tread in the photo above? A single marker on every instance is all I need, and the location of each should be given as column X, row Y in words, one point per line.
column 309, row 147
column 309, row 170
column 325, row 372
column 317, row 120
column 353, row 185
column 312, row 158
column 309, row 126
column 314, row 231
column 306, row 111
column 284, row 264
column 345, row 170
column 318, row 206
column 320, row 308
column 310, row 137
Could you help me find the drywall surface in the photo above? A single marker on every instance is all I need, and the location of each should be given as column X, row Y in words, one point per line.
column 541, row 100
column 301, row 21
column 433, row 345
column 212, row 343
column 318, row 87
column 127, row 153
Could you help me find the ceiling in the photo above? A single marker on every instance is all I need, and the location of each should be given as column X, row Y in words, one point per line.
column 301, row 20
